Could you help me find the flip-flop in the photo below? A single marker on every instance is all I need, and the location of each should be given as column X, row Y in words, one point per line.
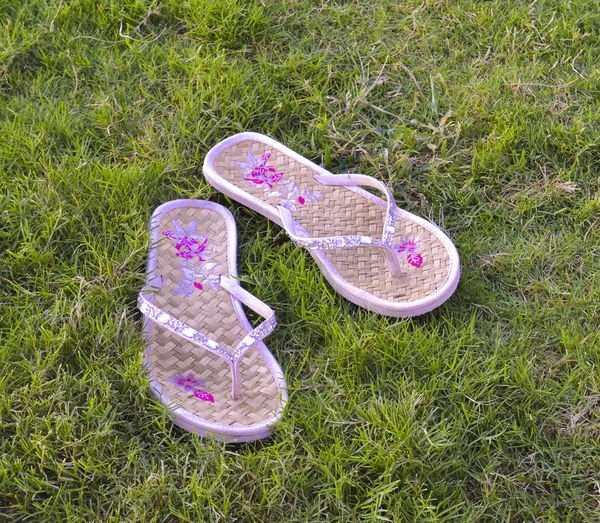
column 206, row 362
column 373, row 253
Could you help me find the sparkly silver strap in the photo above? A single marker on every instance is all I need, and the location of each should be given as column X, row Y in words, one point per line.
column 154, row 313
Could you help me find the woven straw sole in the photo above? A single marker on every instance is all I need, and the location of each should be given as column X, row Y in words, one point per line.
column 361, row 274
column 214, row 313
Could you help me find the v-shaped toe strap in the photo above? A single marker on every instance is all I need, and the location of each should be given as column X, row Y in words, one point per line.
column 182, row 329
column 301, row 237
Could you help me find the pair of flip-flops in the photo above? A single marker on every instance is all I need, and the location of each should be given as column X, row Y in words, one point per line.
column 206, row 362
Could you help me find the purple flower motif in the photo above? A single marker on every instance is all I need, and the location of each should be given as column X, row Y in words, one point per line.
column 408, row 246
column 257, row 172
column 188, row 383
column 294, row 196
column 204, row 396
column 411, row 248
column 189, row 244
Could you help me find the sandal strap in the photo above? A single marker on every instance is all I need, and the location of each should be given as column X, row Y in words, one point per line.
column 182, row 329
column 263, row 329
column 356, row 180
column 301, row 237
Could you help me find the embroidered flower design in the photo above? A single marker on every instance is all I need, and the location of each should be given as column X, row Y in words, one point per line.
column 257, row 172
column 187, row 383
column 294, row 196
column 411, row 248
column 191, row 245
column 192, row 272
column 204, row 396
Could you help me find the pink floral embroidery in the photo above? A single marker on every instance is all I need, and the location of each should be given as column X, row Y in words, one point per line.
column 191, row 245
column 416, row 260
column 290, row 196
column 411, row 248
column 257, row 172
column 204, row 396
column 188, row 383
column 294, row 196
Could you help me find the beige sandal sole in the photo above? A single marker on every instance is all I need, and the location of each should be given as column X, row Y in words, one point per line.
column 430, row 264
column 179, row 368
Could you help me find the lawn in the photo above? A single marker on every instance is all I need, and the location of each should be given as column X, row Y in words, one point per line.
column 482, row 116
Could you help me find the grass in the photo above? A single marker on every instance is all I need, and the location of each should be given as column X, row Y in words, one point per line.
column 482, row 116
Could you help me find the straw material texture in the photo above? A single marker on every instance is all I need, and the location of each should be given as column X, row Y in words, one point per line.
column 210, row 312
column 341, row 211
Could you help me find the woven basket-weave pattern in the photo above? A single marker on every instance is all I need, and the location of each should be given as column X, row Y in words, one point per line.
column 341, row 211
column 210, row 312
